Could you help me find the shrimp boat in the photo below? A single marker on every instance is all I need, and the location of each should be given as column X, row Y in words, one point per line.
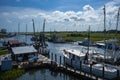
column 85, row 62
column 77, row 60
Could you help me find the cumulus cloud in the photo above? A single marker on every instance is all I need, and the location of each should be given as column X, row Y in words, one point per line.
column 87, row 8
column 57, row 19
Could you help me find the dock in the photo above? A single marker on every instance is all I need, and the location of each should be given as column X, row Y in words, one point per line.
column 53, row 65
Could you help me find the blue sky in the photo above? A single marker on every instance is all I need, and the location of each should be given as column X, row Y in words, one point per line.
column 61, row 15
column 48, row 5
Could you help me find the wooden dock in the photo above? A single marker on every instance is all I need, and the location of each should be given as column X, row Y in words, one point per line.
column 53, row 65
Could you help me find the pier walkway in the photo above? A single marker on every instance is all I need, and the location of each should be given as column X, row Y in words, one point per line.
column 45, row 62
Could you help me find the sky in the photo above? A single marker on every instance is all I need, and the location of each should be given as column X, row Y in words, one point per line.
column 60, row 15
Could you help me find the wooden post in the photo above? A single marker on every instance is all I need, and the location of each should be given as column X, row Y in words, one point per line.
column 71, row 62
column 80, row 65
column 74, row 70
column 52, row 56
column 103, row 72
column 48, row 55
column 60, row 73
column 51, row 62
column 55, row 57
column 117, row 73
column 64, row 60
column 91, row 70
column 60, row 60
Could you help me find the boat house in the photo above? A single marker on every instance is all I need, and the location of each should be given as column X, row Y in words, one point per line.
column 12, row 43
column 23, row 53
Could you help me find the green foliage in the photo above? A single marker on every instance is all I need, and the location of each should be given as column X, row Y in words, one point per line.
column 3, row 31
column 77, row 36
column 3, row 52
column 11, row 74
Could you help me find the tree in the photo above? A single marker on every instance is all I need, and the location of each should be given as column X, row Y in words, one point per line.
column 4, row 31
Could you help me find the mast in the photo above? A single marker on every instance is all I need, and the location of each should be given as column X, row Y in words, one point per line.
column 44, row 25
column 88, row 39
column 105, row 31
column 43, row 35
column 117, row 22
column 18, row 30
column 33, row 26
column 26, row 33
column 86, row 56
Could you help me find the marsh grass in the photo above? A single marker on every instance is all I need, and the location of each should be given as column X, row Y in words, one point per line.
column 11, row 74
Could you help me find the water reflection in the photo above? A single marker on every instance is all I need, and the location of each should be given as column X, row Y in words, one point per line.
column 46, row 74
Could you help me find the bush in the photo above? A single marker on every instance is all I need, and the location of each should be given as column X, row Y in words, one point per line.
column 11, row 74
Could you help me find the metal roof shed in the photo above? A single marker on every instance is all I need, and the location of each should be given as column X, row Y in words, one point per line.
column 23, row 50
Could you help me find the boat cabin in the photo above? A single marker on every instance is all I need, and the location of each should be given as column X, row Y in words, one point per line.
column 74, row 55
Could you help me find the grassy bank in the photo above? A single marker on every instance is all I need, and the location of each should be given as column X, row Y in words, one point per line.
column 77, row 36
column 11, row 74
column 3, row 51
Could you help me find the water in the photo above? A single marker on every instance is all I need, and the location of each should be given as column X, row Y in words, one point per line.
column 46, row 74
column 58, row 49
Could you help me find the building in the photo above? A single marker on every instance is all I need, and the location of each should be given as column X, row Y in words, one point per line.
column 23, row 53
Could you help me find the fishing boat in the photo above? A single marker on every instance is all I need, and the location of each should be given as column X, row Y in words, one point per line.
column 55, row 38
column 40, row 43
column 77, row 60
column 85, row 61
column 85, row 42
column 110, row 44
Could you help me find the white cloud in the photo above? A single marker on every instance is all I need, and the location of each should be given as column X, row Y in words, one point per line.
column 88, row 8
column 58, row 19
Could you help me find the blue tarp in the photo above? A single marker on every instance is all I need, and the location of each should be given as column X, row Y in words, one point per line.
column 34, row 58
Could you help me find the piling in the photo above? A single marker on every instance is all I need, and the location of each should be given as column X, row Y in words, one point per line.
column 52, row 56
column 103, row 72
column 48, row 55
column 117, row 73
column 64, row 60
column 71, row 62
column 80, row 65
column 90, row 68
column 55, row 57
column 60, row 60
